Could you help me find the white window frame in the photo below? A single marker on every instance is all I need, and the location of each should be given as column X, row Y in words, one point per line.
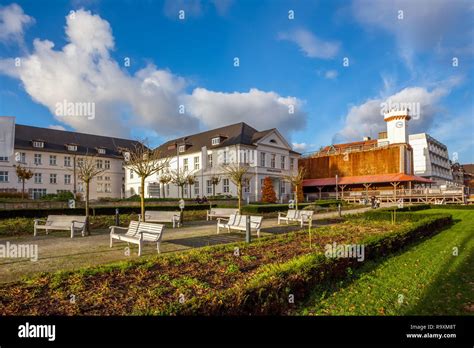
column 4, row 176
column 215, row 141
column 53, row 160
column 53, row 178
column 38, row 159
column 225, row 185
column 38, row 144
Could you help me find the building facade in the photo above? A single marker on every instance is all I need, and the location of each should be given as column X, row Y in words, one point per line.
column 53, row 155
column 203, row 155
column 431, row 158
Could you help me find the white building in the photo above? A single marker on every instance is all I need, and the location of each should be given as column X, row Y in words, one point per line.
column 52, row 155
column 430, row 158
column 267, row 153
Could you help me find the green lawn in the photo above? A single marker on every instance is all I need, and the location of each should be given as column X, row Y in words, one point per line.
column 425, row 279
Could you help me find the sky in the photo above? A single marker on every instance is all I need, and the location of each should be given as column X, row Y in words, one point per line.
column 319, row 71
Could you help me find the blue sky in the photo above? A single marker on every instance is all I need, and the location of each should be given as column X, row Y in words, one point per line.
column 396, row 50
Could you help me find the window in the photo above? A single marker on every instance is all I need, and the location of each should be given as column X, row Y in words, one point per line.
column 107, row 164
column 225, row 157
column 67, row 161
column 262, row 159
column 99, row 164
column 246, row 160
column 72, row 147
column 37, row 193
column 38, row 144
column 185, row 164
column 67, row 179
column 246, row 185
column 80, row 162
column 272, row 161
column 292, row 163
column 99, row 187
column 37, row 160
column 283, row 160
column 273, row 141
column 282, row 188
column 38, row 178
column 101, row 151
column 53, row 178
column 3, row 159
column 107, row 178
column 99, row 178
column 181, row 148
column 196, row 187
column 108, row 188
column 185, row 191
column 3, row 176
column 52, row 160
column 196, row 163
column 209, row 187
column 216, row 141
column 20, row 157
column 209, row 160
column 80, row 187
column 225, row 186
column 131, row 174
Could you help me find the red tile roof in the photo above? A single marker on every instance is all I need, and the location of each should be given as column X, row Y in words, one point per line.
column 366, row 179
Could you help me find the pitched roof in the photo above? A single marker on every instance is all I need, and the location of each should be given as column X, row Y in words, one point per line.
column 468, row 168
column 56, row 141
column 366, row 179
column 234, row 134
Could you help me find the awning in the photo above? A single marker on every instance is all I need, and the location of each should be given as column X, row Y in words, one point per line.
column 366, row 179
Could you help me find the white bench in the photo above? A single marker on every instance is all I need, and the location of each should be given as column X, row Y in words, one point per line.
column 138, row 233
column 173, row 217
column 73, row 223
column 301, row 216
column 221, row 213
column 239, row 223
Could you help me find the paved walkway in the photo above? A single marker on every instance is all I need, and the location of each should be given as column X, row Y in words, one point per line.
column 57, row 251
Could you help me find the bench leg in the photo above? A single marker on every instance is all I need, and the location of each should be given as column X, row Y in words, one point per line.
column 140, row 249
column 111, row 241
column 72, row 232
column 35, row 232
column 218, row 229
column 158, row 247
column 258, row 233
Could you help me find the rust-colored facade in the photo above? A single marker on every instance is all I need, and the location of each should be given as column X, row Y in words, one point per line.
column 389, row 159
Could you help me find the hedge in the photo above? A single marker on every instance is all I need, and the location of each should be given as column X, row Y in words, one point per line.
column 268, row 291
column 453, row 206
column 39, row 213
column 268, row 208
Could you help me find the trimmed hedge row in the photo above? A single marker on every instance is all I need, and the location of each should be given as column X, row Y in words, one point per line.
column 453, row 206
column 267, row 293
column 268, row 208
column 39, row 213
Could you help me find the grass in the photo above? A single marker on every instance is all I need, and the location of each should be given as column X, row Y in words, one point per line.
column 424, row 279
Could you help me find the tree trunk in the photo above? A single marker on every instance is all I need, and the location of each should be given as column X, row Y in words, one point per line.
column 164, row 188
column 296, row 196
column 213, row 190
column 189, row 188
column 88, row 230
column 239, row 196
column 23, row 188
column 142, row 198
column 182, row 191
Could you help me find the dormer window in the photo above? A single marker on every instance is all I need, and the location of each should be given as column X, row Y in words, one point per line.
column 101, row 151
column 182, row 148
column 71, row 147
column 216, row 141
column 38, row 144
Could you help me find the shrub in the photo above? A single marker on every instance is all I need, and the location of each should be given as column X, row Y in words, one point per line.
column 61, row 196
column 11, row 195
column 268, row 192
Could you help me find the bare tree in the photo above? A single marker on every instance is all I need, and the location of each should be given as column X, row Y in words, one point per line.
column 179, row 178
column 296, row 181
column 191, row 180
column 86, row 170
column 237, row 173
column 23, row 174
column 165, row 179
column 215, row 180
column 145, row 162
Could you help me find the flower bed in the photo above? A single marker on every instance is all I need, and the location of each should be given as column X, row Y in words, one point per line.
column 211, row 280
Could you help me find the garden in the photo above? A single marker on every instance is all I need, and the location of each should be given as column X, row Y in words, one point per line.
column 272, row 275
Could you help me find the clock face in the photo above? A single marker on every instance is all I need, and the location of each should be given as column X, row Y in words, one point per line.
column 399, row 124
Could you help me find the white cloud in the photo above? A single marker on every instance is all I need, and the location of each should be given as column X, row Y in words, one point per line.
column 149, row 100
column 13, row 22
column 311, row 45
column 57, row 127
column 260, row 109
column 366, row 119
column 300, row 147
column 331, row 74
column 427, row 25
